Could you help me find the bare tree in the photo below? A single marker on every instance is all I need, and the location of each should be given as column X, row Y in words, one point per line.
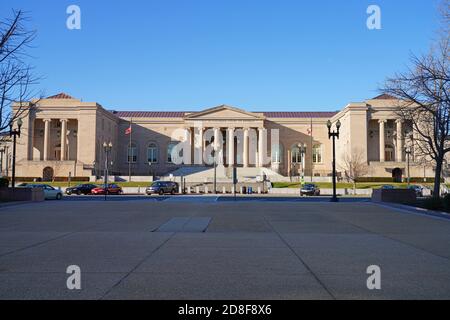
column 16, row 76
column 354, row 166
column 424, row 100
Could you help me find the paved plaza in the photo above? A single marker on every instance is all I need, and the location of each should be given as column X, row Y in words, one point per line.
column 213, row 248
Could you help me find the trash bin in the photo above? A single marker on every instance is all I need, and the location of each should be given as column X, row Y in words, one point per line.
column 250, row 190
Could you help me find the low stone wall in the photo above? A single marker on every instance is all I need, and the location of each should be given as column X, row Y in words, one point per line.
column 406, row 196
column 325, row 191
column 22, row 194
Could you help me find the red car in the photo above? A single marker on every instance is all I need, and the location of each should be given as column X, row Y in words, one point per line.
column 112, row 189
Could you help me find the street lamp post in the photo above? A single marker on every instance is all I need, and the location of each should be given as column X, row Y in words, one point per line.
column 302, row 148
column 215, row 170
column 107, row 148
column 334, row 135
column 14, row 133
column 408, row 154
column 2, row 152
column 150, row 172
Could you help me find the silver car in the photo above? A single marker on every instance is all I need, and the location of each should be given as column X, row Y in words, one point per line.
column 49, row 191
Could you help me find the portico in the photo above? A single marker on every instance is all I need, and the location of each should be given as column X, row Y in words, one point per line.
column 240, row 143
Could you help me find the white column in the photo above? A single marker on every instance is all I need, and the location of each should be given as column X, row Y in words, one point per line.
column 46, row 137
column 63, row 138
column 262, row 146
column 230, row 145
column 399, row 151
column 218, row 146
column 382, row 144
column 245, row 148
column 187, row 146
column 198, row 145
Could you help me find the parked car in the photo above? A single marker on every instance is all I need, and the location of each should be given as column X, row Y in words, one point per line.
column 112, row 189
column 387, row 187
column 81, row 189
column 310, row 189
column 417, row 189
column 49, row 191
column 162, row 187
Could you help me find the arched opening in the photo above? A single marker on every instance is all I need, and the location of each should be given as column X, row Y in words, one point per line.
column 47, row 174
column 397, row 175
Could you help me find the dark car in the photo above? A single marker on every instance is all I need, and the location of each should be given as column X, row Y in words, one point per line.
column 417, row 189
column 81, row 189
column 310, row 189
column 387, row 187
column 112, row 189
column 162, row 187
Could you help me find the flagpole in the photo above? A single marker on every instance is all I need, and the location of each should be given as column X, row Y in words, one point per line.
column 130, row 151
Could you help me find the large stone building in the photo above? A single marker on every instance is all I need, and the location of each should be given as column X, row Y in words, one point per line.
column 64, row 136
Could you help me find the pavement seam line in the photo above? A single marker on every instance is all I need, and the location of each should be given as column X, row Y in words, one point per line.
column 395, row 240
column 300, row 259
column 37, row 244
column 137, row 266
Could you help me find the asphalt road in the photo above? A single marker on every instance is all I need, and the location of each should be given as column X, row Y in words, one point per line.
column 210, row 198
column 143, row 248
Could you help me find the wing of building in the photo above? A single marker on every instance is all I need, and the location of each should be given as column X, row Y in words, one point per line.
column 63, row 136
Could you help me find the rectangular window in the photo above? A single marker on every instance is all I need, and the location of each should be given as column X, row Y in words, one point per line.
column 132, row 154
column 317, row 154
column 151, row 155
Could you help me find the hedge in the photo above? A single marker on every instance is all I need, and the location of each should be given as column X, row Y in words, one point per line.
column 4, row 182
column 391, row 180
column 56, row 179
column 65, row 179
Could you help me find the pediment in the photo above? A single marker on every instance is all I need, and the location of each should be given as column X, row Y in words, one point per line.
column 224, row 112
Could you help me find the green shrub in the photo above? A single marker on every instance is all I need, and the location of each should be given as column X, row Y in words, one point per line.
column 375, row 179
column 434, row 203
column 446, row 202
column 4, row 182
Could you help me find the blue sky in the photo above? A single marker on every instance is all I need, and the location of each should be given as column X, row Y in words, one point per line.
column 254, row 54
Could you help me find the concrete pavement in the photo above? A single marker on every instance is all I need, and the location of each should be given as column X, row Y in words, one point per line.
column 249, row 250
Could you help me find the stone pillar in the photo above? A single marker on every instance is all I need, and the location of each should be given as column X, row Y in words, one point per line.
column 289, row 159
column 245, row 148
column 262, row 146
column 63, row 138
column 399, row 151
column 198, row 145
column 47, row 123
column 187, row 146
column 230, row 145
column 382, row 144
column 218, row 146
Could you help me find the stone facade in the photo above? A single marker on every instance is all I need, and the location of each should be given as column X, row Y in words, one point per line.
column 64, row 136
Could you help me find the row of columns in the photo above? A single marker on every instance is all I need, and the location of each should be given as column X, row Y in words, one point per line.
column 399, row 140
column 230, row 134
column 47, row 123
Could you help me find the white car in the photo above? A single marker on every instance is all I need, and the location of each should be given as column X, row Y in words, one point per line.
column 49, row 191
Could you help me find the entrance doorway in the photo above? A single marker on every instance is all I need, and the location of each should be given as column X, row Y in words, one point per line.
column 47, row 174
column 397, row 175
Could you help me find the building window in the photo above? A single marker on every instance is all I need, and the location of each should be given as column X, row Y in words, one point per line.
column 296, row 156
column 277, row 154
column 169, row 151
column 132, row 153
column 317, row 153
column 152, row 153
column 388, row 152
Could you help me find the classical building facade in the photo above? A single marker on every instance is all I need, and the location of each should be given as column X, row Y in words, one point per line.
column 64, row 136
